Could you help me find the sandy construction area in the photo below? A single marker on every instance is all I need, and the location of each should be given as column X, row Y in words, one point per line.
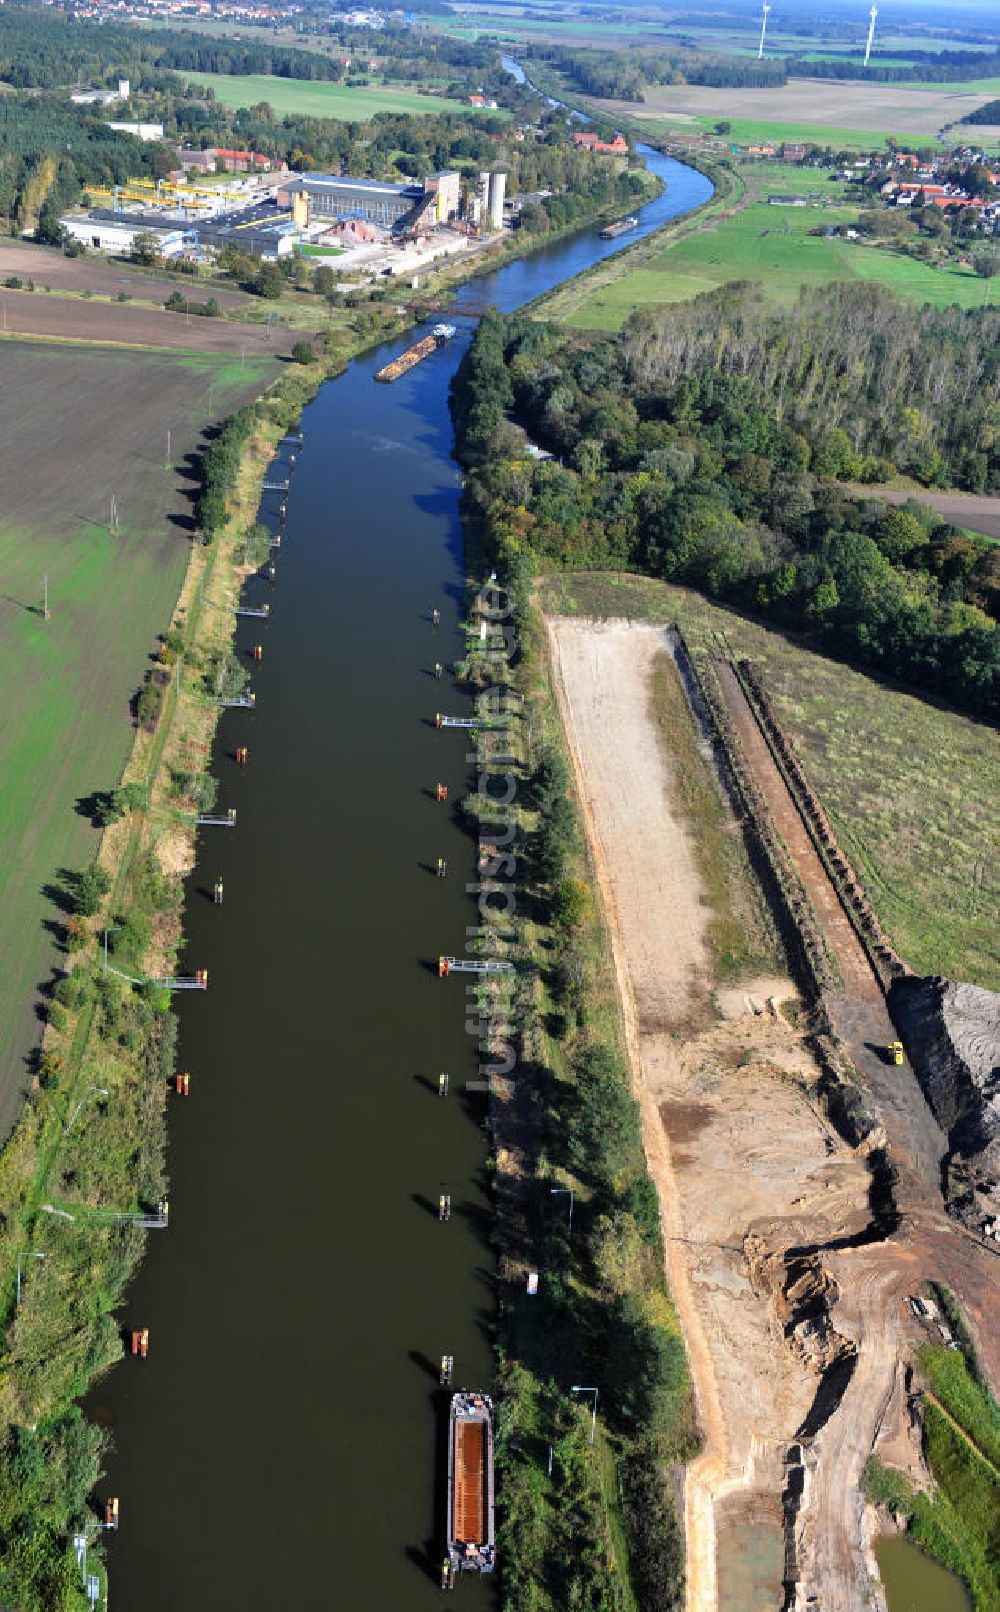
column 745, row 1163
column 884, row 107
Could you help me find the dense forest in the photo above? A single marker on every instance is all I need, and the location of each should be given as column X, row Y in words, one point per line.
column 709, row 445
column 928, row 67
column 625, row 74
column 48, row 50
column 989, row 112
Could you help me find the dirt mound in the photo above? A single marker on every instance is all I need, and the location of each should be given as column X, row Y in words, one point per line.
column 952, row 1034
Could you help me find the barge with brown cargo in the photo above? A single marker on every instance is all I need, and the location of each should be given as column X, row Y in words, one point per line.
column 471, row 1545
column 413, row 355
column 621, row 226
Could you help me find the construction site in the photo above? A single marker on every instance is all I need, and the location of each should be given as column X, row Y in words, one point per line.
column 799, row 1154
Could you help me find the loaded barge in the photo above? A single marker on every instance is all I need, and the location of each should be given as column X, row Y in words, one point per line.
column 471, row 1542
column 621, row 226
column 423, row 349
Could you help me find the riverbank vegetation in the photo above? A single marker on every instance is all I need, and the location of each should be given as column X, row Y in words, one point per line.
column 595, row 1526
column 708, row 445
column 85, row 1163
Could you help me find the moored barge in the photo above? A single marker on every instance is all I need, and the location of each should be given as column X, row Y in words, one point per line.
column 471, row 1538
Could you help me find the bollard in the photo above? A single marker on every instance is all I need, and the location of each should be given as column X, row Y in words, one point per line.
column 441, row 793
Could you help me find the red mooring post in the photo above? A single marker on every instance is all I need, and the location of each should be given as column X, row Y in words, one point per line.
column 441, row 793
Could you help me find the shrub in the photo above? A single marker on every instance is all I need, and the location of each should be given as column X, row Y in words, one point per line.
column 89, row 889
column 302, row 353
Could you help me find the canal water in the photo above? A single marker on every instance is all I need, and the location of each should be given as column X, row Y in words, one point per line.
column 281, row 1447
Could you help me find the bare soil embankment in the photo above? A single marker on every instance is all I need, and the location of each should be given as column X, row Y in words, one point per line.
column 746, row 1164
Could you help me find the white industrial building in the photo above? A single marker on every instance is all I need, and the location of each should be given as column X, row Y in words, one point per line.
column 101, row 235
column 85, row 97
column 142, row 131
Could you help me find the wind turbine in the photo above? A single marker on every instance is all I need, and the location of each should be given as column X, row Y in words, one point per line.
column 763, row 29
column 873, row 13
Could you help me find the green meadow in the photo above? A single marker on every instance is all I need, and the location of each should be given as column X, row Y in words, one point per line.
column 319, row 99
column 773, row 246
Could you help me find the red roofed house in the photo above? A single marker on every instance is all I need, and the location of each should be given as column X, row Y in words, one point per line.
column 243, row 162
column 593, row 142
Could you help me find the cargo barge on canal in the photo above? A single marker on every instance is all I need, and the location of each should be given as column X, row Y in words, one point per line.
column 422, row 349
column 621, row 226
column 471, row 1540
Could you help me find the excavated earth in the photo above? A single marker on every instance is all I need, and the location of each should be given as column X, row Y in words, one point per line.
column 952, row 1033
column 791, row 1297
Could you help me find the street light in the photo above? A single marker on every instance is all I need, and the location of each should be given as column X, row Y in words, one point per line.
column 576, row 1389
column 555, row 1191
column 30, row 1253
column 102, row 1091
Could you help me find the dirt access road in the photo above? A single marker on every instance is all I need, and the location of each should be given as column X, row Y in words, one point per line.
column 745, row 1163
column 33, row 313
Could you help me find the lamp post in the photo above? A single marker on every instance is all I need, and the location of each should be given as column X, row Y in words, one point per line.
column 30, row 1253
column 577, row 1389
column 555, row 1192
column 102, row 1091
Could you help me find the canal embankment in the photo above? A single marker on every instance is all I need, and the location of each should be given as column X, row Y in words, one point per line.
column 588, row 1483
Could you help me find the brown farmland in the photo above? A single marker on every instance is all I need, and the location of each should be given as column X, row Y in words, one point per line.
column 33, row 313
column 848, row 105
column 49, row 266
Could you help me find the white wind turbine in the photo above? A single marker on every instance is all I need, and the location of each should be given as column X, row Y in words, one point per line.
column 873, row 13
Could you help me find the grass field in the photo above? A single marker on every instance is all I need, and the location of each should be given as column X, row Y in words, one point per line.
column 773, row 246
column 68, row 681
column 317, row 99
column 758, row 130
column 910, row 788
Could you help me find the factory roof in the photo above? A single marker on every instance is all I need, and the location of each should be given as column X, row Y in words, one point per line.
column 345, row 182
